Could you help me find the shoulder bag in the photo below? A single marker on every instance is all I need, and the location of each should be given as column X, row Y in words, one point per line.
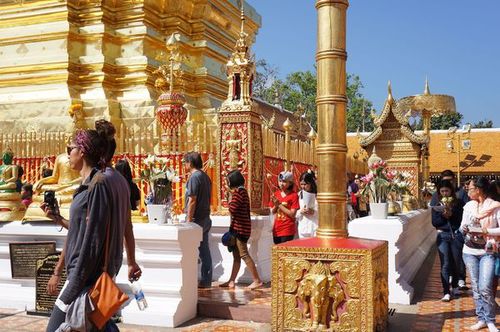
column 106, row 296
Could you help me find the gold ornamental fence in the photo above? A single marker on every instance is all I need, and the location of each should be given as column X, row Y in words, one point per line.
column 35, row 151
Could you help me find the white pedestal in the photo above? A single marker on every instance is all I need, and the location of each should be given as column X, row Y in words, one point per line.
column 259, row 247
column 167, row 254
column 410, row 237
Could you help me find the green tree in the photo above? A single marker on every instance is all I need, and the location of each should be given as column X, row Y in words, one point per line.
column 483, row 124
column 300, row 87
column 265, row 76
column 358, row 107
column 446, row 121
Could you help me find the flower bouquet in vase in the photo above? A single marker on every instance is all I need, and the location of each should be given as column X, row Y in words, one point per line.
column 377, row 188
column 159, row 177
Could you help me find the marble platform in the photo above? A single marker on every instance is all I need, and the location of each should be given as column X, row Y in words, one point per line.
column 168, row 256
column 259, row 247
column 410, row 238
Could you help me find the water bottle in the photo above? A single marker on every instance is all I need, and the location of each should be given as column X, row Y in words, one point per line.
column 139, row 295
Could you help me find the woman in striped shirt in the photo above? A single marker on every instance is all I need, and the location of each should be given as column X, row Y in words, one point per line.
column 241, row 227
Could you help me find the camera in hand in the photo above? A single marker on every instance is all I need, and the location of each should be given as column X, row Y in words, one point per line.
column 49, row 198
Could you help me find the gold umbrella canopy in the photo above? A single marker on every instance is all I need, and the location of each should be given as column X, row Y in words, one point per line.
column 426, row 104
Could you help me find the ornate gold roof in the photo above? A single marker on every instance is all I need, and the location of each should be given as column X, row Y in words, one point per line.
column 394, row 107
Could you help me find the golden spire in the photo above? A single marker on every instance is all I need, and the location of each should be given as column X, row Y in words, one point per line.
column 287, row 125
column 242, row 17
column 389, row 92
column 172, row 70
column 427, row 91
column 240, row 67
column 241, row 43
column 312, row 134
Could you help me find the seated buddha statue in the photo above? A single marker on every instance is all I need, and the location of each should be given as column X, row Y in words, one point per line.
column 63, row 181
column 11, row 207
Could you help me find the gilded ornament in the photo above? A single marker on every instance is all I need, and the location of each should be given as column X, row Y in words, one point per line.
column 233, row 145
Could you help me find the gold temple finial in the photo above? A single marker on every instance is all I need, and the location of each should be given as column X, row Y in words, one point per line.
column 389, row 92
column 242, row 17
column 427, row 91
column 240, row 67
column 171, row 71
column 312, row 134
column 241, row 43
column 287, row 125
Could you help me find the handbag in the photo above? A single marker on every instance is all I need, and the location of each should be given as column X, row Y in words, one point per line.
column 475, row 241
column 229, row 240
column 105, row 295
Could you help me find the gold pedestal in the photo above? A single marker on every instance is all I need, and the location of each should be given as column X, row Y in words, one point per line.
column 330, row 285
column 11, row 207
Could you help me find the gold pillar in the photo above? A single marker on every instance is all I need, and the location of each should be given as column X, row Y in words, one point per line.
column 330, row 282
column 331, row 106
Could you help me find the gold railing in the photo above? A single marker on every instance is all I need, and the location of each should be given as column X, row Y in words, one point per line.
column 136, row 139
column 274, row 146
column 34, row 144
column 37, row 150
column 147, row 139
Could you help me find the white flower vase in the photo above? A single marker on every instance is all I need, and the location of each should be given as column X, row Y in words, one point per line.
column 157, row 213
column 379, row 210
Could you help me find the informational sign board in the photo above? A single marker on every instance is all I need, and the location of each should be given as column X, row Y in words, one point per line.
column 44, row 271
column 24, row 256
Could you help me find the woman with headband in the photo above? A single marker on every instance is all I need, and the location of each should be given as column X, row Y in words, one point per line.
column 90, row 213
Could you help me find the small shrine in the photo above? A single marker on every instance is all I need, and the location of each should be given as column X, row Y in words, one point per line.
column 395, row 140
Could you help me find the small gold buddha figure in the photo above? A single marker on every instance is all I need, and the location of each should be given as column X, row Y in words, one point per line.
column 63, row 181
column 233, row 145
column 11, row 207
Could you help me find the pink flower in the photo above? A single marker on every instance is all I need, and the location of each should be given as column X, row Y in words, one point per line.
column 391, row 175
column 367, row 178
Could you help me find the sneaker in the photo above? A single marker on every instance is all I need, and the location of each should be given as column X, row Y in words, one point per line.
column 478, row 326
column 456, row 292
column 446, row 298
column 492, row 327
column 462, row 285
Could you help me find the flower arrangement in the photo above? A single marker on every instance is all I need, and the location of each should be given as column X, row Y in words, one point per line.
column 378, row 183
column 382, row 184
column 160, row 178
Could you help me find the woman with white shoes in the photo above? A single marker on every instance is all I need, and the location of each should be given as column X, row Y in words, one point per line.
column 446, row 218
column 481, row 215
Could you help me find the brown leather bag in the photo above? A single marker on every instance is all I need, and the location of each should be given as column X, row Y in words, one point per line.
column 105, row 295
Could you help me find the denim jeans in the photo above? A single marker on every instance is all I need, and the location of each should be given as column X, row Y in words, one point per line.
column 205, row 257
column 459, row 243
column 482, row 271
column 450, row 255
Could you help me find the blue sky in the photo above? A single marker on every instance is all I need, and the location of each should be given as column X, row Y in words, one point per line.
column 456, row 44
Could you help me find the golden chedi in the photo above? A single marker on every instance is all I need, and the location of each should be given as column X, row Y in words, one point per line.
column 63, row 181
column 11, row 207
